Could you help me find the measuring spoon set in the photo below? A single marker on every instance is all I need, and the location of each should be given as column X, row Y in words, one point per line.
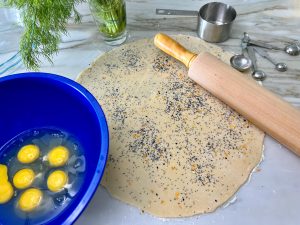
column 242, row 62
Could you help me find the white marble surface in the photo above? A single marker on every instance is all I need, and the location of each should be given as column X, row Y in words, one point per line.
column 274, row 21
column 273, row 194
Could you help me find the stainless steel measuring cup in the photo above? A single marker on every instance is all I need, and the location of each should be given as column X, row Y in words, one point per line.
column 214, row 20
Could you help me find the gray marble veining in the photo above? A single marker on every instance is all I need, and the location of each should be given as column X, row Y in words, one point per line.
column 272, row 196
column 274, row 21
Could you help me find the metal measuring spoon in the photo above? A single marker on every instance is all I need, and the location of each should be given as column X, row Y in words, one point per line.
column 256, row 74
column 291, row 49
column 281, row 67
column 240, row 61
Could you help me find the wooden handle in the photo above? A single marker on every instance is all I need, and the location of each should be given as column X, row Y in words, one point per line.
column 174, row 49
column 264, row 109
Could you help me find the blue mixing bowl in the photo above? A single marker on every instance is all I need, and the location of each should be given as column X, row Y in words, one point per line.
column 34, row 100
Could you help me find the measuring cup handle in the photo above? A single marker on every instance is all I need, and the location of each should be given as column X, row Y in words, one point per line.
column 176, row 12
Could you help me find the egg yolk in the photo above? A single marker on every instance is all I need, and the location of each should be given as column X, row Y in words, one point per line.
column 23, row 178
column 6, row 191
column 57, row 180
column 30, row 199
column 58, row 156
column 28, row 154
column 3, row 173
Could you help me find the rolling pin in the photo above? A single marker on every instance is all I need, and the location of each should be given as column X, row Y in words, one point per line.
column 261, row 107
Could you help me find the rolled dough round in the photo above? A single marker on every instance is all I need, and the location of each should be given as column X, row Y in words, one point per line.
column 175, row 150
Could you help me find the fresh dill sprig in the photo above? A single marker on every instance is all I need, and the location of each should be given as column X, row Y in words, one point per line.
column 44, row 23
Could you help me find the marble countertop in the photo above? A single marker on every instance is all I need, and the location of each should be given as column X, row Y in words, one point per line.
column 274, row 21
column 273, row 195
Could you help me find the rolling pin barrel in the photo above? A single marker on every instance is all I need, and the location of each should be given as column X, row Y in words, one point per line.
column 264, row 109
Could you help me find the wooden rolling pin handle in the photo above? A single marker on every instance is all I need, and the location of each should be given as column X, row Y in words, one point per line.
column 174, row 49
column 264, row 109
